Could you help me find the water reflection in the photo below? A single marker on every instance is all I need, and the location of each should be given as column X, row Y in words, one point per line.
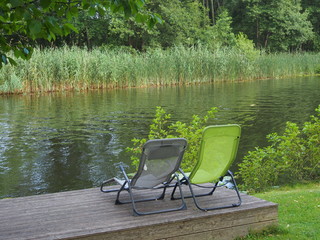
column 58, row 142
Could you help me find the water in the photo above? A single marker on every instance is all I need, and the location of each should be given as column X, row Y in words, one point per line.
column 66, row 141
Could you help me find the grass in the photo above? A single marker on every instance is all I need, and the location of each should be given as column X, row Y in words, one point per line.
column 299, row 213
column 78, row 69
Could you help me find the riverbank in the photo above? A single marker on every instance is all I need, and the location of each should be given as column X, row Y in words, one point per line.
column 77, row 69
column 299, row 209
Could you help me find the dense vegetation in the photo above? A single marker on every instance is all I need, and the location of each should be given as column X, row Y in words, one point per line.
column 275, row 25
column 195, row 41
column 78, row 69
column 291, row 157
column 22, row 22
column 163, row 127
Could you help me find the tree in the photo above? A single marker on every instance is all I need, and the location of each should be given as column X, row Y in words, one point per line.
column 183, row 24
column 23, row 21
column 220, row 34
column 92, row 30
column 278, row 25
column 127, row 32
column 313, row 7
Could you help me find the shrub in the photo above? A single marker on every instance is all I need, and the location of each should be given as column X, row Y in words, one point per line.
column 294, row 156
column 162, row 127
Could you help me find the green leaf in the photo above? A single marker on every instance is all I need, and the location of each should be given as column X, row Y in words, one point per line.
column 16, row 3
column 92, row 11
column 85, row 5
column 26, row 15
column 71, row 27
column 141, row 18
column 140, row 3
column 2, row 19
column 69, row 15
column 18, row 53
column 35, row 28
column 101, row 11
column 45, row 3
column 51, row 36
column 12, row 62
column 74, row 11
column 158, row 18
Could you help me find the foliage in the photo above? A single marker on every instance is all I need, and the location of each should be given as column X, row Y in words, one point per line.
column 22, row 21
column 162, row 127
column 294, row 156
column 220, row 35
column 313, row 9
column 113, row 67
column 184, row 23
column 285, row 25
column 277, row 25
column 246, row 47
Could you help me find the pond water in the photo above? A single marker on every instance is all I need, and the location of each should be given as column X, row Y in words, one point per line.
column 67, row 141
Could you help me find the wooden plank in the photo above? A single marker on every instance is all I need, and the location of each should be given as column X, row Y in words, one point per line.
column 225, row 233
column 230, row 225
column 90, row 214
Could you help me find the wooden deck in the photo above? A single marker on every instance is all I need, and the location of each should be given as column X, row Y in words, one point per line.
column 90, row 214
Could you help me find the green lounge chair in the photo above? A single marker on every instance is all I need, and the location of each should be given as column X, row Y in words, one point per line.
column 217, row 152
column 159, row 162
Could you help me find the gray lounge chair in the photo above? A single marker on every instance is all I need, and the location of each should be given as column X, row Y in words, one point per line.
column 159, row 162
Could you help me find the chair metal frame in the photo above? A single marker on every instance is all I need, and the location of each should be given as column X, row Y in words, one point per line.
column 187, row 180
column 129, row 185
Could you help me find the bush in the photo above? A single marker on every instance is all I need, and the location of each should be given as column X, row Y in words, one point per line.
column 292, row 157
column 163, row 128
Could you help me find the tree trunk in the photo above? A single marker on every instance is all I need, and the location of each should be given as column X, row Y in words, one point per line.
column 212, row 12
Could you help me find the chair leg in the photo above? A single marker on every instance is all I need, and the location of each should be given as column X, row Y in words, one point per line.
column 220, row 207
column 127, row 186
column 139, row 213
column 175, row 188
column 105, row 183
column 118, row 202
column 160, row 197
column 236, row 189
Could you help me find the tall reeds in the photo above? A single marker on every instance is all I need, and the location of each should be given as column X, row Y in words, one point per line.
column 74, row 68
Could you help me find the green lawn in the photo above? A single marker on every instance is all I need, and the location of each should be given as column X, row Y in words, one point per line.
column 299, row 213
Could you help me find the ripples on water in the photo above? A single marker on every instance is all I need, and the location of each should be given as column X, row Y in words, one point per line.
column 58, row 142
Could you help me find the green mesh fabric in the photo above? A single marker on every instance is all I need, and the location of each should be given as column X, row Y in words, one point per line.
column 218, row 150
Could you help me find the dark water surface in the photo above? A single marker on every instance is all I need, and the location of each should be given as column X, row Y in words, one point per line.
column 67, row 141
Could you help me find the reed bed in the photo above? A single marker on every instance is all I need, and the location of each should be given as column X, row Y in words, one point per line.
column 78, row 69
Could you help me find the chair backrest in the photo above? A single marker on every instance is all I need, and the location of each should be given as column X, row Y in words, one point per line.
column 218, row 150
column 160, row 158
